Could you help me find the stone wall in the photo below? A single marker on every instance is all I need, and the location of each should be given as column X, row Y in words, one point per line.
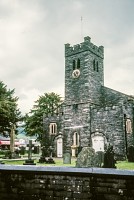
column 109, row 121
column 65, row 183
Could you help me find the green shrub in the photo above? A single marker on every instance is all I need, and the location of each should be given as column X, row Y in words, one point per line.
column 2, row 152
column 8, row 154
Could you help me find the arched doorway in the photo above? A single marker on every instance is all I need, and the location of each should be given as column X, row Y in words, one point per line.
column 75, row 144
column 98, row 141
column 59, row 146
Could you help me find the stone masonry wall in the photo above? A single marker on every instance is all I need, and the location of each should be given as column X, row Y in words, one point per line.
column 65, row 183
column 114, row 106
column 87, row 86
column 77, row 120
column 109, row 121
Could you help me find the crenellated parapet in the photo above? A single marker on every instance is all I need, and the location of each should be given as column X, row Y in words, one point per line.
column 84, row 46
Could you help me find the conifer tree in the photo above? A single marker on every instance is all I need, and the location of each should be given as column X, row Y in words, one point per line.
column 9, row 112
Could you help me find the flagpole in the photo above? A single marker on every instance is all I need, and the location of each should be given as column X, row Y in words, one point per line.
column 81, row 27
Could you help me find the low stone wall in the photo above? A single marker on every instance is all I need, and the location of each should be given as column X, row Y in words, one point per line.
column 65, row 183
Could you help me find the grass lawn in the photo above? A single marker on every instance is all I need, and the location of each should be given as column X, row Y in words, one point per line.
column 58, row 162
column 125, row 165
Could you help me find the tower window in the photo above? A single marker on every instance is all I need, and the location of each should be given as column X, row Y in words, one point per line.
column 78, row 63
column 94, row 65
column 53, row 129
column 97, row 65
column 74, row 65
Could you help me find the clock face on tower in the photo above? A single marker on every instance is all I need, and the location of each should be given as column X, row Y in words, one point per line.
column 76, row 73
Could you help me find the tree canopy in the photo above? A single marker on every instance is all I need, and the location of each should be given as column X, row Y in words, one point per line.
column 9, row 112
column 46, row 104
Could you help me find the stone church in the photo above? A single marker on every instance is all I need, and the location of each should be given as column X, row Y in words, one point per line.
column 92, row 114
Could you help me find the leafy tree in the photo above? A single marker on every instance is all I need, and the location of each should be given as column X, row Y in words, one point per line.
column 9, row 113
column 46, row 104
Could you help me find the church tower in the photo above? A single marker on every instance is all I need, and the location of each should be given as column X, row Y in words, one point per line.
column 84, row 77
column 84, row 73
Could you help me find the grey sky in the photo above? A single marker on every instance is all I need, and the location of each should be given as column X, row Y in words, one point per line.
column 33, row 34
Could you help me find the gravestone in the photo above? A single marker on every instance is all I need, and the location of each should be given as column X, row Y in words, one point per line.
column 109, row 161
column 87, row 158
column 43, row 155
column 29, row 161
column 99, row 157
column 130, row 155
column 67, row 158
column 50, row 159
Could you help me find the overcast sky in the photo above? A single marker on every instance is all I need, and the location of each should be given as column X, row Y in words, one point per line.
column 33, row 34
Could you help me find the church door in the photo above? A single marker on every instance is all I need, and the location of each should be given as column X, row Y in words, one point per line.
column 59, row 147
column 98, row 143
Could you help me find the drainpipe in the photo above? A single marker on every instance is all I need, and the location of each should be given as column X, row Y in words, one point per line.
column 90, row 139
column 133, row 123
column 126, row 145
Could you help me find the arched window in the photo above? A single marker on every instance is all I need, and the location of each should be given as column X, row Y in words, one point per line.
column 94, row 65
column 128, row 126
column 74, row 65
column 53, row 129
column 97, row 66
column 78, row 63
column 76, row 139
